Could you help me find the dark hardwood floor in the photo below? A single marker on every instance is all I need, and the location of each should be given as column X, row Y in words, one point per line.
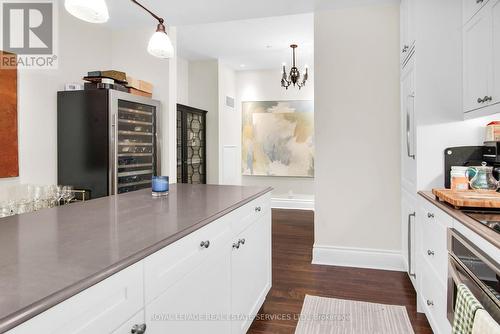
column 294, row 276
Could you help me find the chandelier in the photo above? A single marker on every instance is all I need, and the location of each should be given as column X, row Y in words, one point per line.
column 294, row 75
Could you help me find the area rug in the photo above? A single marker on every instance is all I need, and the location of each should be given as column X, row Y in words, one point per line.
column 322, row 315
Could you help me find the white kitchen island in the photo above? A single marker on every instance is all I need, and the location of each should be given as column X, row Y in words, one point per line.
column 198, row 261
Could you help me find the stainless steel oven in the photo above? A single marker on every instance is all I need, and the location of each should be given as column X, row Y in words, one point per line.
column 468, row 265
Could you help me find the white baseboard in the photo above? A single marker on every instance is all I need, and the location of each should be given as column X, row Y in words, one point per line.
column 358, row 257
column 292, row 203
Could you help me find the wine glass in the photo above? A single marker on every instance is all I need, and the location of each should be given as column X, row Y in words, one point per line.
column 38, row 197
column 50, row 195
column 59, row 194
column 6, row 209
column 68, row 194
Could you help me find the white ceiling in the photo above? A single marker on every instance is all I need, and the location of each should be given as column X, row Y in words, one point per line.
column 124, row 13
column 235, row 31
column 250, row 44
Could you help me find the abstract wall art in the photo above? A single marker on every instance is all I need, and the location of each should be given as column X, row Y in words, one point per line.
column 9, row 166
column 278, row 138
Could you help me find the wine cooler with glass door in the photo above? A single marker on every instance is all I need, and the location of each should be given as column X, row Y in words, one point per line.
column 107, row 141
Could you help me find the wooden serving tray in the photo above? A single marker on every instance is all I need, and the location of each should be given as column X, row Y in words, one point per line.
column 469, row 198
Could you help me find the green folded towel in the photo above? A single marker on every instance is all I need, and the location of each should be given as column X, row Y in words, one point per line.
column 465, row 309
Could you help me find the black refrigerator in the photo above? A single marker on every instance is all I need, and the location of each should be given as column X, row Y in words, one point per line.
column 107, row 141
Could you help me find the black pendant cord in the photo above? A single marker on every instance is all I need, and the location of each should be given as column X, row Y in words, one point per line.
column 150, row 12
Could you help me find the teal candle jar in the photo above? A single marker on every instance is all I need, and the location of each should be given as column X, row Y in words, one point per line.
column 159, row 186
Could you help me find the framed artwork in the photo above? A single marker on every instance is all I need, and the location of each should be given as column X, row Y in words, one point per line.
column 278, row 138
column 9, row 165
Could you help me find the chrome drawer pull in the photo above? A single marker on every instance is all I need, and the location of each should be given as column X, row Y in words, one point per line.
column 236, row 245
column 430, row 215
column 430, row 302
column 205, row 244
column 242, row 241
column 430, row 252
column 258, row 209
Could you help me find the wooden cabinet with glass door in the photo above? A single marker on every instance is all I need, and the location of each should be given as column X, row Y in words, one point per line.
column 191, row 145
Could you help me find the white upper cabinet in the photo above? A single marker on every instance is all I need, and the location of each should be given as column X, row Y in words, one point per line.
column 495, row 91
column 471, row 7
column 481, row 63
column 477, row 60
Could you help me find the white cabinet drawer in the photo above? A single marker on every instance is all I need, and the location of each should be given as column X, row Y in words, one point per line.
column 434, row 301
column 249, row 213
column 434, row 246
column 102, row 308
column 471, row 7
column 251, row 272
column 199, row 302
column 169, row 265
column 432, row 214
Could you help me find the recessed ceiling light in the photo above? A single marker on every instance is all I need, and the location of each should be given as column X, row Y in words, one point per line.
column 242, row 65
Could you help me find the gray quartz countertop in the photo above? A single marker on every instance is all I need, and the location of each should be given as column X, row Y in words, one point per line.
column 52, row 254
column 477, row 227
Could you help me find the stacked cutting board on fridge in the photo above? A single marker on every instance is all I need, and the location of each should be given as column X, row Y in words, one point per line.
column 117, row 80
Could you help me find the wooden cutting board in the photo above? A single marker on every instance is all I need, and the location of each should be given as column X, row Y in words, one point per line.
column 469, row 198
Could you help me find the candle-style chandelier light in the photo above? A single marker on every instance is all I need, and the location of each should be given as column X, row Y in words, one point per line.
column 294, row 75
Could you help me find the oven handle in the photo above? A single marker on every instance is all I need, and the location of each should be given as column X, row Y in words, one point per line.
column 461, row 268
column 456, row 262
column 453, row 271
column 452, row 233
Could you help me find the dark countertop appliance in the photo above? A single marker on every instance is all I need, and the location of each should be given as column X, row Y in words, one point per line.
column 472, row 156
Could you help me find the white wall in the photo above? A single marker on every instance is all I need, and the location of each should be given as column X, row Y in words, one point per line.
column 357, row 194
column 95, row 47
column 265, row 86
column 82, row 47
column 230, row 132
column 138, row 63
column 204, row 94
column 182, row 81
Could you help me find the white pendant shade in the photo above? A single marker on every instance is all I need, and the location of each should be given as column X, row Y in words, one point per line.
column 160, row 45
column 93, row 11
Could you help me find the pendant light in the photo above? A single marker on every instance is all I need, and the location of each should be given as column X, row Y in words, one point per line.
column 93, row 11
column 159, row 44
column 96, row 11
